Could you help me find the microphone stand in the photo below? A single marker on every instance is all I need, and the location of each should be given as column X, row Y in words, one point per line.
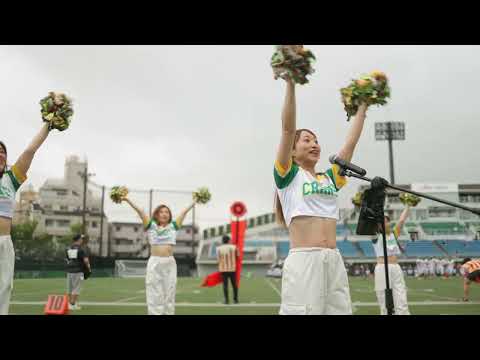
column 378, row 216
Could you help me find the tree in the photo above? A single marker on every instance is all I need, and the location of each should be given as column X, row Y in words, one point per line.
column 29, row 245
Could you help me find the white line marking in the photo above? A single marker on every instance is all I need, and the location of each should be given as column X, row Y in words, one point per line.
column 273, row 287
column 359, row 304
column 127, row 299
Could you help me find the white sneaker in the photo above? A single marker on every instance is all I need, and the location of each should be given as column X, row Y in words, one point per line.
column 74, row 307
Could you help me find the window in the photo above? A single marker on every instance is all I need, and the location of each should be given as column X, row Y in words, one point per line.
column 48, row 222
column 259, row 220
column 266, row 219
column 220, row 230
column 135, row 229
column 251, row 223
column 117, row 228
column 437, row 212
column 64, row 208
column 63, row 223
column 212, row 232
column 94, row 224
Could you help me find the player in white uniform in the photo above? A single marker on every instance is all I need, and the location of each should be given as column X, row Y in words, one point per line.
column 395, row 273
column 425, row 268
column 161, row 277
column 419, row 268
column 431, row 267
column 314, row 276
column 451, row 267
column 10, row 181
column 439, row 267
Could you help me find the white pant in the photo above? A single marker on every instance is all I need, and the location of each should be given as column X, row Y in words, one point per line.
column 7, row 265
column 315, row 282
column 161, row 283
column 397, row 284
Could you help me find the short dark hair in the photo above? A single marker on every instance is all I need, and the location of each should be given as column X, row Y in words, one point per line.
column 225, row 239
column 387, row 217
column 77, row 237
column 466, row 260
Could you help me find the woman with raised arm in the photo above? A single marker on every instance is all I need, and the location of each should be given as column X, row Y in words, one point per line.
column 314, row 277
column 11, row 178
column 161, row 278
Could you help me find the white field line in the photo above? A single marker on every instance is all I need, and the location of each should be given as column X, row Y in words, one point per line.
column 273, row 286
column 248, row 305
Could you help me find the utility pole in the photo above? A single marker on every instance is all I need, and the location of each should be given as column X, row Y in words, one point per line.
column 101, row 220
column 85, row 175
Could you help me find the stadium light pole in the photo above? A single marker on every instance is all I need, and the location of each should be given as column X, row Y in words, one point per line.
column 390, row 131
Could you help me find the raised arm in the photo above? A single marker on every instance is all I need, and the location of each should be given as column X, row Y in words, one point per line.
column 181, row 217
column 25, row 160
column 403, row 218
column 145, row 219
column 289, row 126
column 346, row 153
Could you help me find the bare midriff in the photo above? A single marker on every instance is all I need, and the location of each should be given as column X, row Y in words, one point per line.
column 310, row 232
column 5, row 226
column 392, row 259
column 161, row 250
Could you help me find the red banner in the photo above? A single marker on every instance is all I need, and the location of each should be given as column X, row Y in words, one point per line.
column 238, row 229
column 238, row 239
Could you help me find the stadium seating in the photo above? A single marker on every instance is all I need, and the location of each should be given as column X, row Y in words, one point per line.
column 422, row 249
column 461, row 248
column 283, row 247
column 367, row 248
column 347, row 249
column 443, row 228
column 341, row 230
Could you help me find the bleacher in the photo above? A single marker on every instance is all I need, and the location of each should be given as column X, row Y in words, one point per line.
column 283, row 247
column 347, row 249
column 461, row 248
column 443, row 228
column 367, row 248
column 422, row 249
column 341, row 230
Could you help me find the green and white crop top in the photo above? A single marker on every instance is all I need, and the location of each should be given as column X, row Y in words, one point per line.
column 392, row 245
column 302, row 194
column 10, row 182
column 158, row 235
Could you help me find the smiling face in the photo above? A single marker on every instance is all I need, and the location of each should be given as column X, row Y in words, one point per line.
column 162, row 215
column 306, row 149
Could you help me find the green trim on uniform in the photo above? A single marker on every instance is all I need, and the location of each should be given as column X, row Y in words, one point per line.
column 329, row 173
column 283, row 182
column 175, row 225
column 16, row 184
column 149, row 224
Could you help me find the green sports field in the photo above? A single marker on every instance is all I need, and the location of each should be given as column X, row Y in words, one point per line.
column 258, row 296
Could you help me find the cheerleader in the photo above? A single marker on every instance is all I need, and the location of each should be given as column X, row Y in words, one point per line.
column 314, row 276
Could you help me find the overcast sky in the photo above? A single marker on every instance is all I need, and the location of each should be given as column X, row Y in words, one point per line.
column 181, row 117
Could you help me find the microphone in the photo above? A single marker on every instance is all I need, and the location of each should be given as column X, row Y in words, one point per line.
column 334, row 159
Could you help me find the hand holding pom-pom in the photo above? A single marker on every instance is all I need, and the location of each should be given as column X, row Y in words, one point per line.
column 292, row 62
column 56, row 110
column 409, row 199
column 202, row 196
column 118, row 194
column 372, row 89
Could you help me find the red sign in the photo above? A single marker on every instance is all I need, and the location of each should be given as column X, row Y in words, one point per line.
column 238, row 209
